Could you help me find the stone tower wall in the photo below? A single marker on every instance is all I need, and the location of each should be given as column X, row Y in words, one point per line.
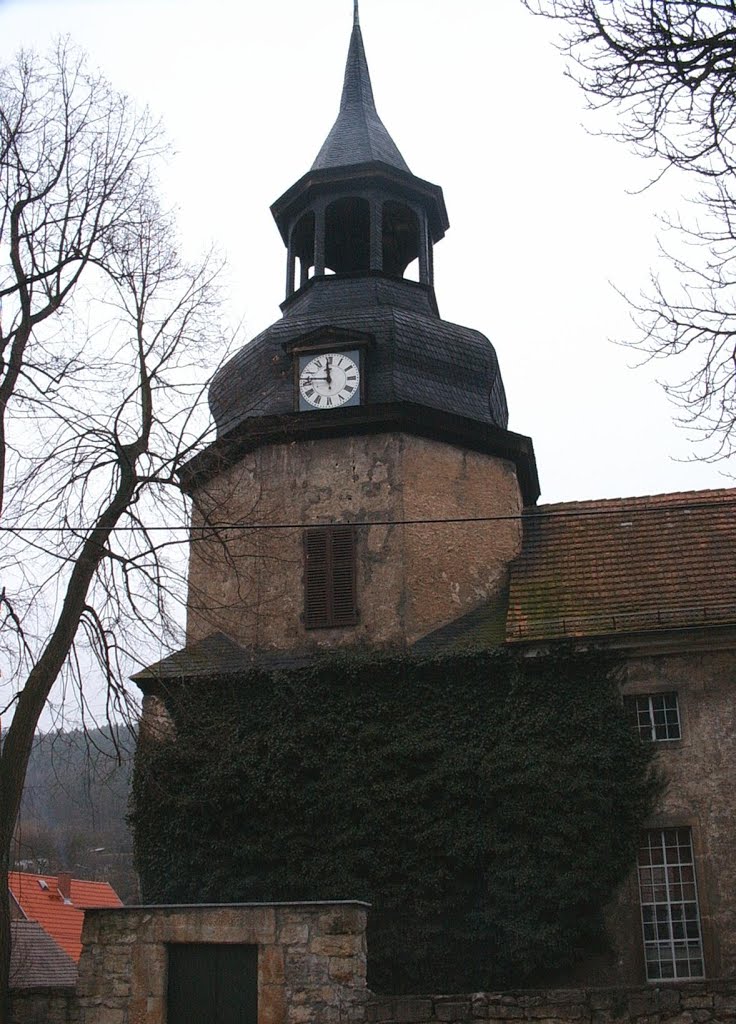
column 411, row 579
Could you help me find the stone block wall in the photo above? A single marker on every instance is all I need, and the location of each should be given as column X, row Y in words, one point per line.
column 311, row 959
column 693, row 1003
column 44, row 1006
column 411, row 579
column 699, row 770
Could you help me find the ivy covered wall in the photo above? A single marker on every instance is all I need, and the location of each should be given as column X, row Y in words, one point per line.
column 487, row 805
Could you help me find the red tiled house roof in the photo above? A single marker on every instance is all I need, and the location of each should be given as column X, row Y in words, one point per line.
column 39, row 899
column 625, row 565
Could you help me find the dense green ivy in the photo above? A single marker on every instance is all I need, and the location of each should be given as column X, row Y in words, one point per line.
column 487, row 805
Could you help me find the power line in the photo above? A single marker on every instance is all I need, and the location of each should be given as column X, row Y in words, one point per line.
column 527, row 515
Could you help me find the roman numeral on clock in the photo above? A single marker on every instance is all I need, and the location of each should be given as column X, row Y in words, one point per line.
column 329, row 380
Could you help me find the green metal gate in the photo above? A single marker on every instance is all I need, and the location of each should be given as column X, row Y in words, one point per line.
column 212, row 984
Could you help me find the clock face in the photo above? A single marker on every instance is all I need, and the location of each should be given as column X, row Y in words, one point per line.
column 329, row 380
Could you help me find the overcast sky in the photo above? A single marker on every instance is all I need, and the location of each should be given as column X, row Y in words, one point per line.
column 543, row 221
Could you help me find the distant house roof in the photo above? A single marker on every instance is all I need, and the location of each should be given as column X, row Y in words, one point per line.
column 625, row 565
column 36, row 961
column 40, row 900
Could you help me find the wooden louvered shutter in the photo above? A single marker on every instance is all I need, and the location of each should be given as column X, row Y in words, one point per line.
column 316, row 598
column 344, row 612
column 329, row 577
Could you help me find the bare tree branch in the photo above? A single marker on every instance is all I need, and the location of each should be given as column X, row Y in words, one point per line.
column 668, row 72
column 104, row 334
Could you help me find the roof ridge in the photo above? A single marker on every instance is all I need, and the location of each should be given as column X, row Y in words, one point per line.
column 712, row 495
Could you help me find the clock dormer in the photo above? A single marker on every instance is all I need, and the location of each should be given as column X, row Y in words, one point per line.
column 329, row 369
column 329, row 380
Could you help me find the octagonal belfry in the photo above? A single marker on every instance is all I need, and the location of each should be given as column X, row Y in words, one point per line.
column 355, row 226
column 363, row 487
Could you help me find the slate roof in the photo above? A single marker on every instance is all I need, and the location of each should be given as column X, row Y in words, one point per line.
column 358, row 135
column 216, row 655
column 62, row 921
column 36, row 961
column 625, row 565
column 416, row 357
column 482, row 627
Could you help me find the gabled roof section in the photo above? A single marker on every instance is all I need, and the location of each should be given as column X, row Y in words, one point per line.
column 39, row 898
column 625, row 566
column 36, row 961
column 483, row 627
column 215, row 655
column 358, row 135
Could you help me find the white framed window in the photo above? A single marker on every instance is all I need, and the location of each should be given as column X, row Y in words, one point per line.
column 673, row 943
column 656, row 716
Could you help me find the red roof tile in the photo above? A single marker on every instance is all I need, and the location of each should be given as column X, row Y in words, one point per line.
column 39, row 898
column 625, row 565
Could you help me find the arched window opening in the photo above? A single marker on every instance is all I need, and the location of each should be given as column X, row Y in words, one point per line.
column 347, row 236
column 302, row 247
column 400, row 238
column 412, row 271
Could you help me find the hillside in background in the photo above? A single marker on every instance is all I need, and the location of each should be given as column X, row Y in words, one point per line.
column 75, row 802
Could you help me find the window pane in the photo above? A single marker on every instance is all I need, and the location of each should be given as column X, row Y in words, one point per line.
column 669, row 910
column 656, row 716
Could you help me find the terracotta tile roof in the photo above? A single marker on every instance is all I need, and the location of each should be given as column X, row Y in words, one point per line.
column 625, row 565
column 36, row 961
column 39, row 898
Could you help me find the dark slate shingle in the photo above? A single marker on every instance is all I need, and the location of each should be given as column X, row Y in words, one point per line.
column 36, row 961
column 216, row 655
column 358, row 135
column 416, row 357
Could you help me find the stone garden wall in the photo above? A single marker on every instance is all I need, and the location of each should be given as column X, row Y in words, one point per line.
column 692, row 1003
column 312, row 970
column 44, row 1006
column 702, row 1003
column 311, row 959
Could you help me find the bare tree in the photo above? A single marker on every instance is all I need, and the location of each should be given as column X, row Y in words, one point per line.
column 104, row 330
column 668, row 72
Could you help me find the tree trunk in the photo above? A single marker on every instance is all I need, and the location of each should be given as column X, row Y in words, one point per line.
column 4, row 926
column 16, row 750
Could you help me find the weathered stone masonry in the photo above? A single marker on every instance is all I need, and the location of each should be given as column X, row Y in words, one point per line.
column 693, row 1003
column 312, row 969
column 311, row 959
column 411, row 579
column 44, row 1006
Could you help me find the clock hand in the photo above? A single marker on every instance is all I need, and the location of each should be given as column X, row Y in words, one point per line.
column 329, row 362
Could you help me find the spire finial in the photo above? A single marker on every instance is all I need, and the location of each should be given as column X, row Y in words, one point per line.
column 358, row 135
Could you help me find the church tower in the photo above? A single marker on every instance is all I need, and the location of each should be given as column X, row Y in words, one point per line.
column 363, row 436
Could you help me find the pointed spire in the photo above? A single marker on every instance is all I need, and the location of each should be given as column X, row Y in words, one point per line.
column 358, row 135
